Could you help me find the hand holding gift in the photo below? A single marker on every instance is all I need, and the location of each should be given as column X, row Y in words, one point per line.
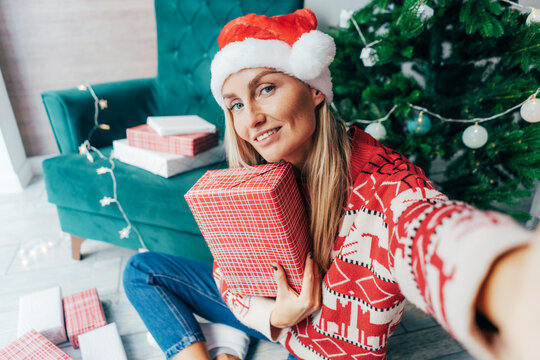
column 292, row 307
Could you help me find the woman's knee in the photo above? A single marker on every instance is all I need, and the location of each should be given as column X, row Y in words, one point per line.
column 138, row 269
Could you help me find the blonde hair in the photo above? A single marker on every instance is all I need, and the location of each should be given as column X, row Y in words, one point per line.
column 325, row 172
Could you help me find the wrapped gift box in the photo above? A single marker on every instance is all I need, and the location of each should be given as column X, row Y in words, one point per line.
column 249, row 218
column 83, row 313
column 184, row 124
column 43, row 312
column 144, row 137
column 165, row 164
column 102, row 343
column 33, row 346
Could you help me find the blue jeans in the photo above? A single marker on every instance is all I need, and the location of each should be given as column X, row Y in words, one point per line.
column 167, row 290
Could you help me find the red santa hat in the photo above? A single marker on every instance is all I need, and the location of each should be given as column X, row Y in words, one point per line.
column 288, row 43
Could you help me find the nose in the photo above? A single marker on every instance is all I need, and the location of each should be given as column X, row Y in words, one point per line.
column 256, row 115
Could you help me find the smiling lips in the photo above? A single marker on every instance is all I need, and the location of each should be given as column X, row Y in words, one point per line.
column 267, row 134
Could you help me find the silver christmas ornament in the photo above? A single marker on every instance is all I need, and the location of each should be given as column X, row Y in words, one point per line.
column 369, row 56
column 425, row 12
column 344, row 16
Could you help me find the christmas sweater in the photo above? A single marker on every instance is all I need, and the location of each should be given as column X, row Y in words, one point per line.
column 399, row 239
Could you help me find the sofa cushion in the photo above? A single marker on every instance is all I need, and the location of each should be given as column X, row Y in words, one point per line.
column 72, row 182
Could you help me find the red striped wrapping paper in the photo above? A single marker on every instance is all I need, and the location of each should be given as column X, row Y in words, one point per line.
column 250, row 218
column 144, row 137
column 33, row 346
column 83, row 312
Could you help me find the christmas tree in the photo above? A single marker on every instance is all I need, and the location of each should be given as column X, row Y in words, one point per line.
column 426, row 70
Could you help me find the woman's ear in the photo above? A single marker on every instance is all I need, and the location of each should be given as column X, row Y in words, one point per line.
column 317, row 96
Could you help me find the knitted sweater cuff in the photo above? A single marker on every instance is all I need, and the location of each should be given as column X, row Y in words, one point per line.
column 478, row 251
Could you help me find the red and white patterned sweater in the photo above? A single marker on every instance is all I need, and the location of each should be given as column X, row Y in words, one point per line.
column 400, row 239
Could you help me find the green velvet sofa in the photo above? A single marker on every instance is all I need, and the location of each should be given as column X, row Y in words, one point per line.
column 186, row 41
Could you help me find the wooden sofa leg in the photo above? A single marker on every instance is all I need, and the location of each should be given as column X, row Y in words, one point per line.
column 76, row 247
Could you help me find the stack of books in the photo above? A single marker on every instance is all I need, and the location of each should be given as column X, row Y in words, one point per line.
column 169, row 145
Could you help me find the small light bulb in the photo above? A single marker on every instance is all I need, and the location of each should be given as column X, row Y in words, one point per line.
column 124, row 233
column 533, row 17
column 103, row 104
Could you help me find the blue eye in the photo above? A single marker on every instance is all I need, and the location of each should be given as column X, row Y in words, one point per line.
column 236, row 106
column 268, row 89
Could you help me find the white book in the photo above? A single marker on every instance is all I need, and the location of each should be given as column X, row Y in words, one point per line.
column 103, row 343
column 43, row 311
column 166, row 164
column 176, row 125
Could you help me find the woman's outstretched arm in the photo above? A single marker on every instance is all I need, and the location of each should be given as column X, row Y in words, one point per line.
column 439, row 251
column 510, row 297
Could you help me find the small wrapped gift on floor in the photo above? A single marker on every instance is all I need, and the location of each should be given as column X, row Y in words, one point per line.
column 165, row 164
column 83, row 313
column 103, row 343
column 144, row 137
column 43, row 312
column 251, row 217
column 182, row 124
column 33, row 346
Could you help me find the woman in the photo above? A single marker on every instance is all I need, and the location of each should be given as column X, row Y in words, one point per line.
column 381, row 232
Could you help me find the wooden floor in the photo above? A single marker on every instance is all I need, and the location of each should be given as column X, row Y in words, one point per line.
column 35, row 254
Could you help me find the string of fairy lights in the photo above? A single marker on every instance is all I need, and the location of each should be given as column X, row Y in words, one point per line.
column 474, row 136
column 86, row 149
column 33, row 250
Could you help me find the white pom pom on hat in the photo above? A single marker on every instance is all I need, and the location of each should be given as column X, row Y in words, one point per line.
column 311, row 54
column 288, row 43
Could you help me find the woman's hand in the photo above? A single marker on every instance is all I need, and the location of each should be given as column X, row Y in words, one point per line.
column 292, row 307
column 511, row 300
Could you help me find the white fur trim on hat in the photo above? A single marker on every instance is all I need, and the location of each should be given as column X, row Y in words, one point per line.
column 307, row 60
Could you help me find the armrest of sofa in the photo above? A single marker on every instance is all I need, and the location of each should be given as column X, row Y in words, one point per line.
column 71, row 112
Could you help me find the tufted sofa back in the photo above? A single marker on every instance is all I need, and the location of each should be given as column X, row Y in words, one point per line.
column 187, row 32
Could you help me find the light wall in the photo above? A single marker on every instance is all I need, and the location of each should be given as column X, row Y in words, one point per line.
column 56, row 44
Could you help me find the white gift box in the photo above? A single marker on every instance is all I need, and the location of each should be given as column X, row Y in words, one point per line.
column 103, row 343
column 166, row 164
column 43, row 312
column 175, row 125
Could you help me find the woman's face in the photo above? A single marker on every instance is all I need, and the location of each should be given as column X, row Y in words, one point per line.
column 274, row 112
